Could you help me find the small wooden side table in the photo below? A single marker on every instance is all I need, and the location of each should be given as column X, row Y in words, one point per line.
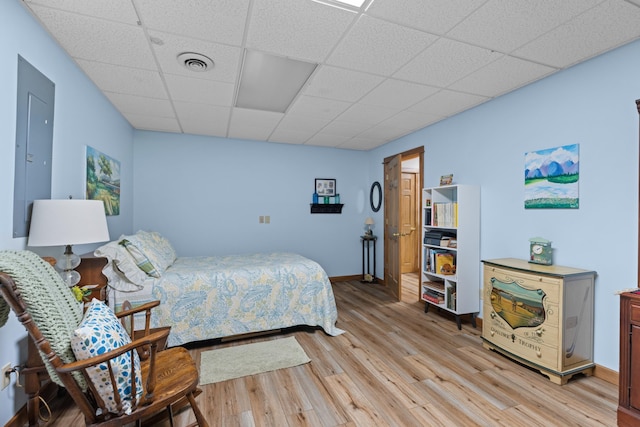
column 368, row 241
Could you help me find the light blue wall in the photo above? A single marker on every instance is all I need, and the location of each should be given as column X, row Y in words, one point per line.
column 206, row 194
column 592, row 104
column 82, row 116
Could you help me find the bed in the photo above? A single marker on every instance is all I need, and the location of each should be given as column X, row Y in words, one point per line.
column 204, row 298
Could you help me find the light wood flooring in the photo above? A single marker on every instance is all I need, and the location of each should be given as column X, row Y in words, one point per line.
column 396, row 366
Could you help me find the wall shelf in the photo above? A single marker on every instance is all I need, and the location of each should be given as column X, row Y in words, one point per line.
column 331, row 208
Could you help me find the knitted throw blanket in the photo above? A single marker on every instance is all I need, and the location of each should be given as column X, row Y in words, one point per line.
column 49, row 300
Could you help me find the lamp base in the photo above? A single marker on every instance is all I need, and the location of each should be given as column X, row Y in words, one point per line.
column 66, row 263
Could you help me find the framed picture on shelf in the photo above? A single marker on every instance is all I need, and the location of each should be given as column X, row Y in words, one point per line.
column 446, row 179
column 325, row 187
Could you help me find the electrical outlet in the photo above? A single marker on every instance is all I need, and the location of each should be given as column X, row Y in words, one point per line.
column 6, row 377
column 267, row 219
column 261, row 219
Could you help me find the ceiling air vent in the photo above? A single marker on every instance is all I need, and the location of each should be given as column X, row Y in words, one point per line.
column 195, row 61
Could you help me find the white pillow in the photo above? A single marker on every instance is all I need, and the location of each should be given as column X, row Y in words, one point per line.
column 123, row 261
column 155, row 248
column 100, row 332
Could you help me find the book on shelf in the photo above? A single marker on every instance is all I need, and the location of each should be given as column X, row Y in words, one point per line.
column 437, row 285
column 445, row 214
column 433, row 296
column 433, row 299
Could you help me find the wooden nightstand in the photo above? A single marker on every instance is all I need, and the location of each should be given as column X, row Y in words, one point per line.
column 91, row 277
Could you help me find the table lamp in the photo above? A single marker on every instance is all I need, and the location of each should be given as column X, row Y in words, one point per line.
column 368, row 223
column 67, row 222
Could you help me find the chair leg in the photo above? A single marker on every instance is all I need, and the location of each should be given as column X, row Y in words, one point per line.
column 170, row 411
column 196, row 411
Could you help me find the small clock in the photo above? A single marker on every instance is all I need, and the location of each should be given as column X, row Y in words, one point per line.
column 540, row 251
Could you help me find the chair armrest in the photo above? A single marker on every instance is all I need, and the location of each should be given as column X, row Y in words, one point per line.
column 138, row 309
column 79, row 365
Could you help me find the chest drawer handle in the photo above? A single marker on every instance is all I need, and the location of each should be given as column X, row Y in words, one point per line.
column 539, row 332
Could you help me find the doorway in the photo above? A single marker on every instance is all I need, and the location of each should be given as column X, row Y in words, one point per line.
column 402, row 219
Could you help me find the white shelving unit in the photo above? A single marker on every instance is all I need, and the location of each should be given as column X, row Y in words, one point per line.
column 451, row 211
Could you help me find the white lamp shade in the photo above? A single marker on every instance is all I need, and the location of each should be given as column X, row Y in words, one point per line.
column 67, row 222
column 369, row 221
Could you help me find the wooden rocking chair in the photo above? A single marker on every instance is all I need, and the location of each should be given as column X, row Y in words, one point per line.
column 49, row 311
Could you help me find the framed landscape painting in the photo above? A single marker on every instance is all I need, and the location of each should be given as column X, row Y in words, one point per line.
column 551, row 178
column 103, row 180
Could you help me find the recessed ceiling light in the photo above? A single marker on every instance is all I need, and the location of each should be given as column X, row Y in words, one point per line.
column 195, row 61
column 270, row 82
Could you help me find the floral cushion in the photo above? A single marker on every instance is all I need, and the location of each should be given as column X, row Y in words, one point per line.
column 155, row 248
column 98, row 333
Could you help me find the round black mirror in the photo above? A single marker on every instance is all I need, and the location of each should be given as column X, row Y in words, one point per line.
column 375, row 196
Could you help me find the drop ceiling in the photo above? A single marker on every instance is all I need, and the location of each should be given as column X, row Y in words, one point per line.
column 384, row 70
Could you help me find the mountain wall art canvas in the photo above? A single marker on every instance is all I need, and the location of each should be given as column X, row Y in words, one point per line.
column 551, row 178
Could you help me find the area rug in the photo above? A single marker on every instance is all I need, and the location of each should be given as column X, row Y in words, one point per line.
column 249, row 359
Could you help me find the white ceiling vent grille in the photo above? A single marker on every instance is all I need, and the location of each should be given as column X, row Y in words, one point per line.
column 195, row 61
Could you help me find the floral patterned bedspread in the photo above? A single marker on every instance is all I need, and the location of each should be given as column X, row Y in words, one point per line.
column 211, row 297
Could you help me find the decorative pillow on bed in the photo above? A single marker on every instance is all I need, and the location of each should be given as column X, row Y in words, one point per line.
column 141, row 259
column 123, row 261
column 98, row 333
column 155, row 248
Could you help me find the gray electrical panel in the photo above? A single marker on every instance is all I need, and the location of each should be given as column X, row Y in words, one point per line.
column 34, row 143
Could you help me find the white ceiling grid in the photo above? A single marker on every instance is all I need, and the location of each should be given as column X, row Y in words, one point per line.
column 386, row 70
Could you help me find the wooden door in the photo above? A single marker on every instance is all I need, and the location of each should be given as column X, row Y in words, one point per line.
column 409, row 236
column 392, row 253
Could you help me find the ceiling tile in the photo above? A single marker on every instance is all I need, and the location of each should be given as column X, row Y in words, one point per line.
column 241, row 116
column 501, row 76
column 326, row 140
column 301, row 29
column 447, row 102
column 161, row 124
column 136, row 104
column 133, row 81
column 384, row 132
column 100, row 40
column 345, row 128
column 321, row 108
column 341, row 84
column 199, row 91
column 379, row 47
column 398, row 94
column 506, row 25
column 604, row 27
column 302, row 123
column 221, row 21
column 410, row 120
column 362, row 143
column 369, row 114
column 433, row 16
column 203, row 119
column 252, row 124
column 445, row 62
column 226, row 59
column 249, row 131
column 289, row 136
column 112, row 10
